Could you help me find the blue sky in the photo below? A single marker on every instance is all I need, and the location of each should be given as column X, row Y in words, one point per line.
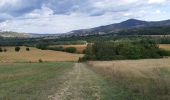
column 59, row 16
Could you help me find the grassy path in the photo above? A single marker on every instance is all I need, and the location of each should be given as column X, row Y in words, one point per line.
column 82, row 84
column 53, row 81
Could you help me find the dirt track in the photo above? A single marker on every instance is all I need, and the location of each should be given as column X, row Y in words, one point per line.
column 82, row 84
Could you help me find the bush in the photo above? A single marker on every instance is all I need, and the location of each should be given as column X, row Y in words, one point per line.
column 17, row 49
column 5, row 50
column 40, row 60
column 163, row 52
column 56, row 48
column 1, row 50
column 41, row 46
column 71, row 49
column 27, row 49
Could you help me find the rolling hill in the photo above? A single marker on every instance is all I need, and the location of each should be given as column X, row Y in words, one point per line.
column 14, row 34
column 130, row 25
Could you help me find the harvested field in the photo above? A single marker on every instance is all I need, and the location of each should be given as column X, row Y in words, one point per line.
column 35, row 55
column 165, row 46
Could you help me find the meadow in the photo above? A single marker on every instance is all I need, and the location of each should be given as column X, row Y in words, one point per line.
column 31, row 81
column 34, row 55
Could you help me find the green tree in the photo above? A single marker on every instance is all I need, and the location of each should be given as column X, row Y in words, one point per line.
column 27, row 49
column 5, row 50
column 17, row 49
column 71, row 49
column 1, row 50
column 41, row 46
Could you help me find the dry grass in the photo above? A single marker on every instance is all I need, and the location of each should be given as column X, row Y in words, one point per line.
column 138, row 68
column 35, row 54
column 147, row 79
column 164, row 46
column 80, row 48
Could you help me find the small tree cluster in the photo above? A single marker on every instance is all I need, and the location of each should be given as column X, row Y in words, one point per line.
column 60, row 48
column 1, row 50
column 27, row 49
column 41, row 46
column 17, row 49
column 71, row 49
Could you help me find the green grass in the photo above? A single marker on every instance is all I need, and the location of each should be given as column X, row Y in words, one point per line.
column 164, row 72
column 31, row 81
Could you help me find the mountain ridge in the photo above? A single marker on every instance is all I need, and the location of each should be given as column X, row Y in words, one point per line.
column 113, row 28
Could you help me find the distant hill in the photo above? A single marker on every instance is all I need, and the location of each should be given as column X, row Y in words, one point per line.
column 14, row 34
column 119, row 27
column 8, row 34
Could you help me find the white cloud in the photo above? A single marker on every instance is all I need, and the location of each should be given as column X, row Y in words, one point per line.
column 37, row 13
column 59, row 23
column 129, row 1
column 157, row 11
column 156, row 1
column 4, row 26
column 55, row 16
column 3, row 2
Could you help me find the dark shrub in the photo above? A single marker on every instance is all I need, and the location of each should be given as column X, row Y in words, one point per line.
column 41, row 46
column 17, row 49
column 71, row 49
column 40, row 60
column 163, row 52
column 5, row 50
column 1, row 50
column 27, row 49
column 56, row 48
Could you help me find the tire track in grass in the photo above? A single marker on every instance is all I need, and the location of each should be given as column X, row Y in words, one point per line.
column 81, row 84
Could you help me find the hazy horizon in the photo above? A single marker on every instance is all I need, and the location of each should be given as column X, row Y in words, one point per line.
column 60, row 16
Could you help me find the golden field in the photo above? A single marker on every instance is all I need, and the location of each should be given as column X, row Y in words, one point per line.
column 164, row 46
column 35, row 54
column 139, row 68
column 147, row 79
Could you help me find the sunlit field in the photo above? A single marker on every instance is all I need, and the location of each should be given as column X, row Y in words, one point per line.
column 34, row 55
column 165, row 46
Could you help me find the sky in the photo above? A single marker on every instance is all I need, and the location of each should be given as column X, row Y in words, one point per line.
column 60, row 16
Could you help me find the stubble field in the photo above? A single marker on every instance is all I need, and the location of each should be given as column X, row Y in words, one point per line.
column 34, row 55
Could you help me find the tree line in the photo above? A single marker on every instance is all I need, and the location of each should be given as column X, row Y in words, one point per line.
column 109, row 50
